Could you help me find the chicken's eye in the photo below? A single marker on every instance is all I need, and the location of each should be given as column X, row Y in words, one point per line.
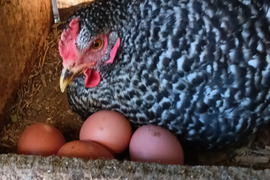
column 96, row 44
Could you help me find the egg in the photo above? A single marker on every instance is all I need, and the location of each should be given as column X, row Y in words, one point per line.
column 40, row 139
column 109, row 128
column 152, row 143
column 84, row 149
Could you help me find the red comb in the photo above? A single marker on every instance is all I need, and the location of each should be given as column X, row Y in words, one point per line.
column 66, row 46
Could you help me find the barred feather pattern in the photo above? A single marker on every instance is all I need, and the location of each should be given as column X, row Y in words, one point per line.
column 200, row 68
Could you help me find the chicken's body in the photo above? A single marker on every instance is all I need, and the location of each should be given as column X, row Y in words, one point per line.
column 198, row 68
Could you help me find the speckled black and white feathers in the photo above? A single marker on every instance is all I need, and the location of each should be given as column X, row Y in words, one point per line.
column 197, row 67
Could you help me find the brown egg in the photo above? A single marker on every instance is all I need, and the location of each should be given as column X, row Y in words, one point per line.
column 40, row 139
column 108, row 128
column 84, row 149
column 152, row 143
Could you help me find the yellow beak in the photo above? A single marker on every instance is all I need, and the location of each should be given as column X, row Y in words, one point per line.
column 68, row 75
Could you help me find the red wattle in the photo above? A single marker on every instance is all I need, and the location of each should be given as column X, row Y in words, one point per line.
column 92, row 78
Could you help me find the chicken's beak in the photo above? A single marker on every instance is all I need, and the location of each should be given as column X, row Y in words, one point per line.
column 65, row 79
column 68, row 75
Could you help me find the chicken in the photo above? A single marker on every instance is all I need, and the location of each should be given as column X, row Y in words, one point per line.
column 200, row 68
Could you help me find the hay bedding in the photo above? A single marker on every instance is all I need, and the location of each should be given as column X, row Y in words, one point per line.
column 40, row 100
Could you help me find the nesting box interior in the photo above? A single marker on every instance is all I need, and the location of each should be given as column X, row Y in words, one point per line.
column 30, row 93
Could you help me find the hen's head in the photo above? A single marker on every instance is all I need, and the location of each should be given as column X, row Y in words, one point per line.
column 85, row 52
